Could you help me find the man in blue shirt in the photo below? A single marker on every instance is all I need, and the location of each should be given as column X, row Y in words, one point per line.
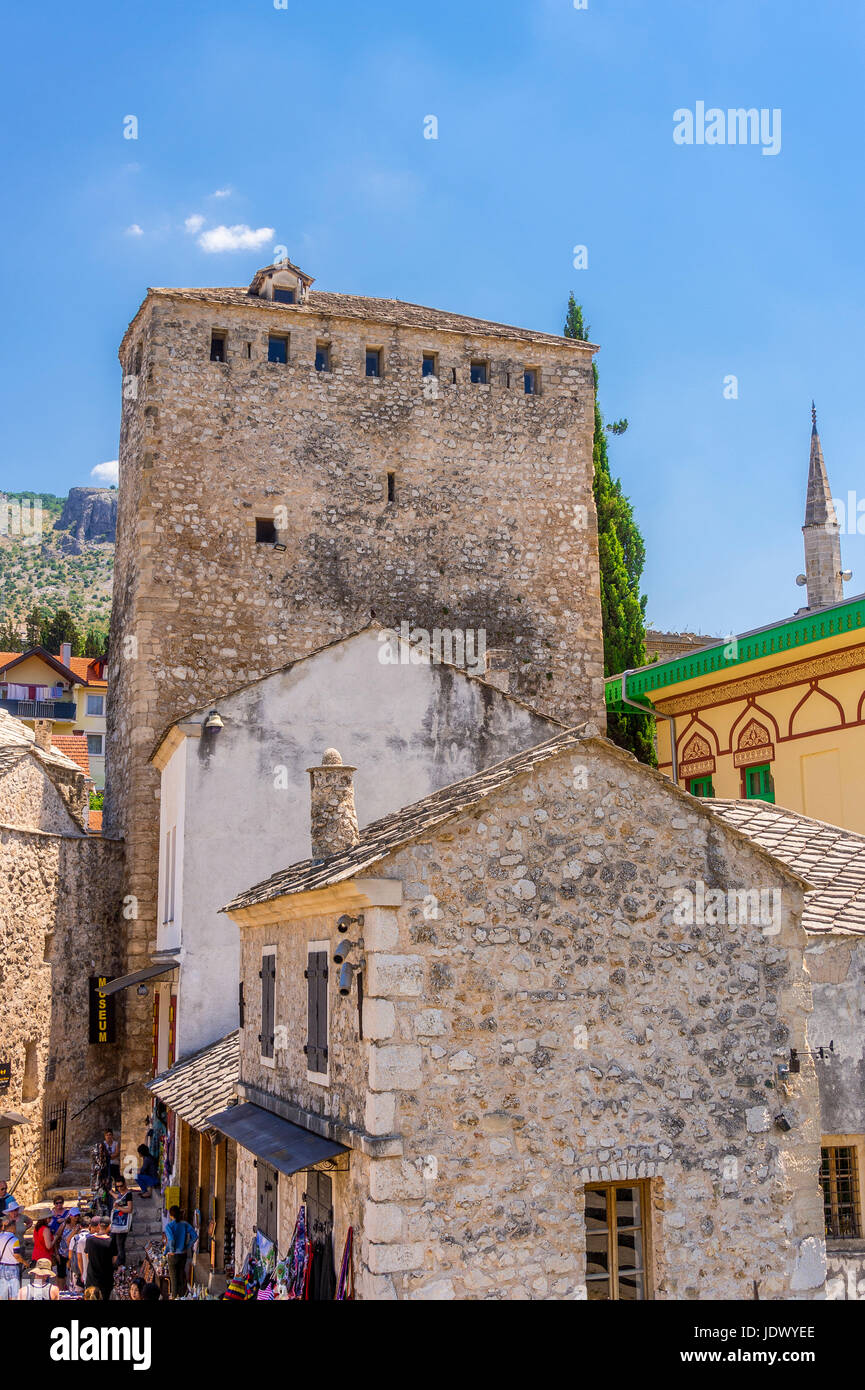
column 180, row 1239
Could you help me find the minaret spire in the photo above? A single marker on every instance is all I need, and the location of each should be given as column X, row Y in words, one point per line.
column 821, row 531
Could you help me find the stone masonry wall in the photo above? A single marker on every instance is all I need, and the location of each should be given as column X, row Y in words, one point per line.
column 493, row 525
column 59, row 899
column 555, row 915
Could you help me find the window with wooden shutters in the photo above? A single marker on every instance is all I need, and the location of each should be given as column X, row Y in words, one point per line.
column 316, row 994
column 268, row 995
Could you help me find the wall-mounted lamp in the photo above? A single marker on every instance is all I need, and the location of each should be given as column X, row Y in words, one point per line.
column 141, row 990
column 346, row 975
column 213, row 721
column 344, row 922
column 344, row 949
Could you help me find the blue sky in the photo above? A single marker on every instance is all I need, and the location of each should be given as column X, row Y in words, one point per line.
column 554, row 129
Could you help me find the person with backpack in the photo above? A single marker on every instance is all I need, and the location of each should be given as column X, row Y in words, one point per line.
column 180, row 1240
column 121, row 1219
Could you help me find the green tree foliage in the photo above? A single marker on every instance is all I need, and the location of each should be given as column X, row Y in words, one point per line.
column 33, row 625
column 622, row 555
column 61, row 627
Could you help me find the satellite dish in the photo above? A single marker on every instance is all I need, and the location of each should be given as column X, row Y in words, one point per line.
column 800, row 580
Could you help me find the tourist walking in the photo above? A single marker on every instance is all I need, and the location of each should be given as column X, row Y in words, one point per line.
column 75, row 1234
column 40, row 1286
column 43, row 1240
column 11, row 1258
column 8, row 1203
column 121, row 1219
column 100, row 1259
column 180, row 1239
column 112, row 1149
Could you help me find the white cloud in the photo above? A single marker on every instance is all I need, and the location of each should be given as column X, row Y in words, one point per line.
column 134, row 230
column 222, row 193
column 237, row 238
column 194, row 223
column 106, row 472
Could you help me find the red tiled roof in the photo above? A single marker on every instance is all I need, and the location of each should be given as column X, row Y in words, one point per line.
column 85, row 668
column 95, row 823
column 75, row 747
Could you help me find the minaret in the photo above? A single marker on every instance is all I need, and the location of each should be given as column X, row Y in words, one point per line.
column 821, row 532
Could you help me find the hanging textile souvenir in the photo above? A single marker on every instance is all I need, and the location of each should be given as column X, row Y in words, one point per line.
column 299, row 1259
column 345, row 1283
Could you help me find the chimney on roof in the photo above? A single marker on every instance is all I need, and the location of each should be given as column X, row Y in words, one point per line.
column 66, row 652
column 333, row 819
column 43, row 729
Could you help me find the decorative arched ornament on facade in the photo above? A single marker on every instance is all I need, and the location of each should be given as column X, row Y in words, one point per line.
column 697, row 759
column 754, row 746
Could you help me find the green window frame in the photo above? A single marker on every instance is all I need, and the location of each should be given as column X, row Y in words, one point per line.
column 701, row 786
column 758, row 783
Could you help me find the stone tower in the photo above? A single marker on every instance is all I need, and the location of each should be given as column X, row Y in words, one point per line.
column 823, row 574
column 292, row 460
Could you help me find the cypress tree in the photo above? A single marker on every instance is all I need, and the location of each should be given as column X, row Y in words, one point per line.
column 622, row 555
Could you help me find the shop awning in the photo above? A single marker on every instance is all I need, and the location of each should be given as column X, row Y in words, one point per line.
column 124, row 981
column 286, row 1147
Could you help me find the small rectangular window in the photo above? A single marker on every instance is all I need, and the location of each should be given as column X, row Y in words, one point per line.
column 391, row 487
column 839, row 1180
column 277, row 348
column 217, row 347
column 429, row 366
column 701, row 786
column 268, row 1002
column 282, row 295
column 96, row 704
column 478, row 373
column 322, row 357
column 95, row 745
column 531, row 378
column 249, row 350
column 616, row 1241
column 759, row 785
column 373, row 361
column 265, row 530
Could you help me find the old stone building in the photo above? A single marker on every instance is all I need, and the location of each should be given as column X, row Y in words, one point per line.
column 833, row 862
column 59, row 932
column 529, row 1072
column 291, row 460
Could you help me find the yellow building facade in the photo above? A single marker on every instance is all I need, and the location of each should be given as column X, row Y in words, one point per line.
column 777, row 714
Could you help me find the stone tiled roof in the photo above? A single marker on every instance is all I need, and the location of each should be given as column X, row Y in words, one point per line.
column 827, row 856
column 16, row 739
column 356, row 306
column 382, row 836
column 203, row 1083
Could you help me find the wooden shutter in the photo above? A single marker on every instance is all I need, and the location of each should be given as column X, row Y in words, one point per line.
column 268, row 990
column 316, row 996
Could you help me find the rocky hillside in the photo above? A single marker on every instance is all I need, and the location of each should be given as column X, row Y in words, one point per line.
column 89, row 514
column 59, row 556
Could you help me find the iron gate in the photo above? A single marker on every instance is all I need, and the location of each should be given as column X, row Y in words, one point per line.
column 54, row 1139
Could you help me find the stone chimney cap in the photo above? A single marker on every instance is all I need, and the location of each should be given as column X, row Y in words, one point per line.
column 330, row 757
